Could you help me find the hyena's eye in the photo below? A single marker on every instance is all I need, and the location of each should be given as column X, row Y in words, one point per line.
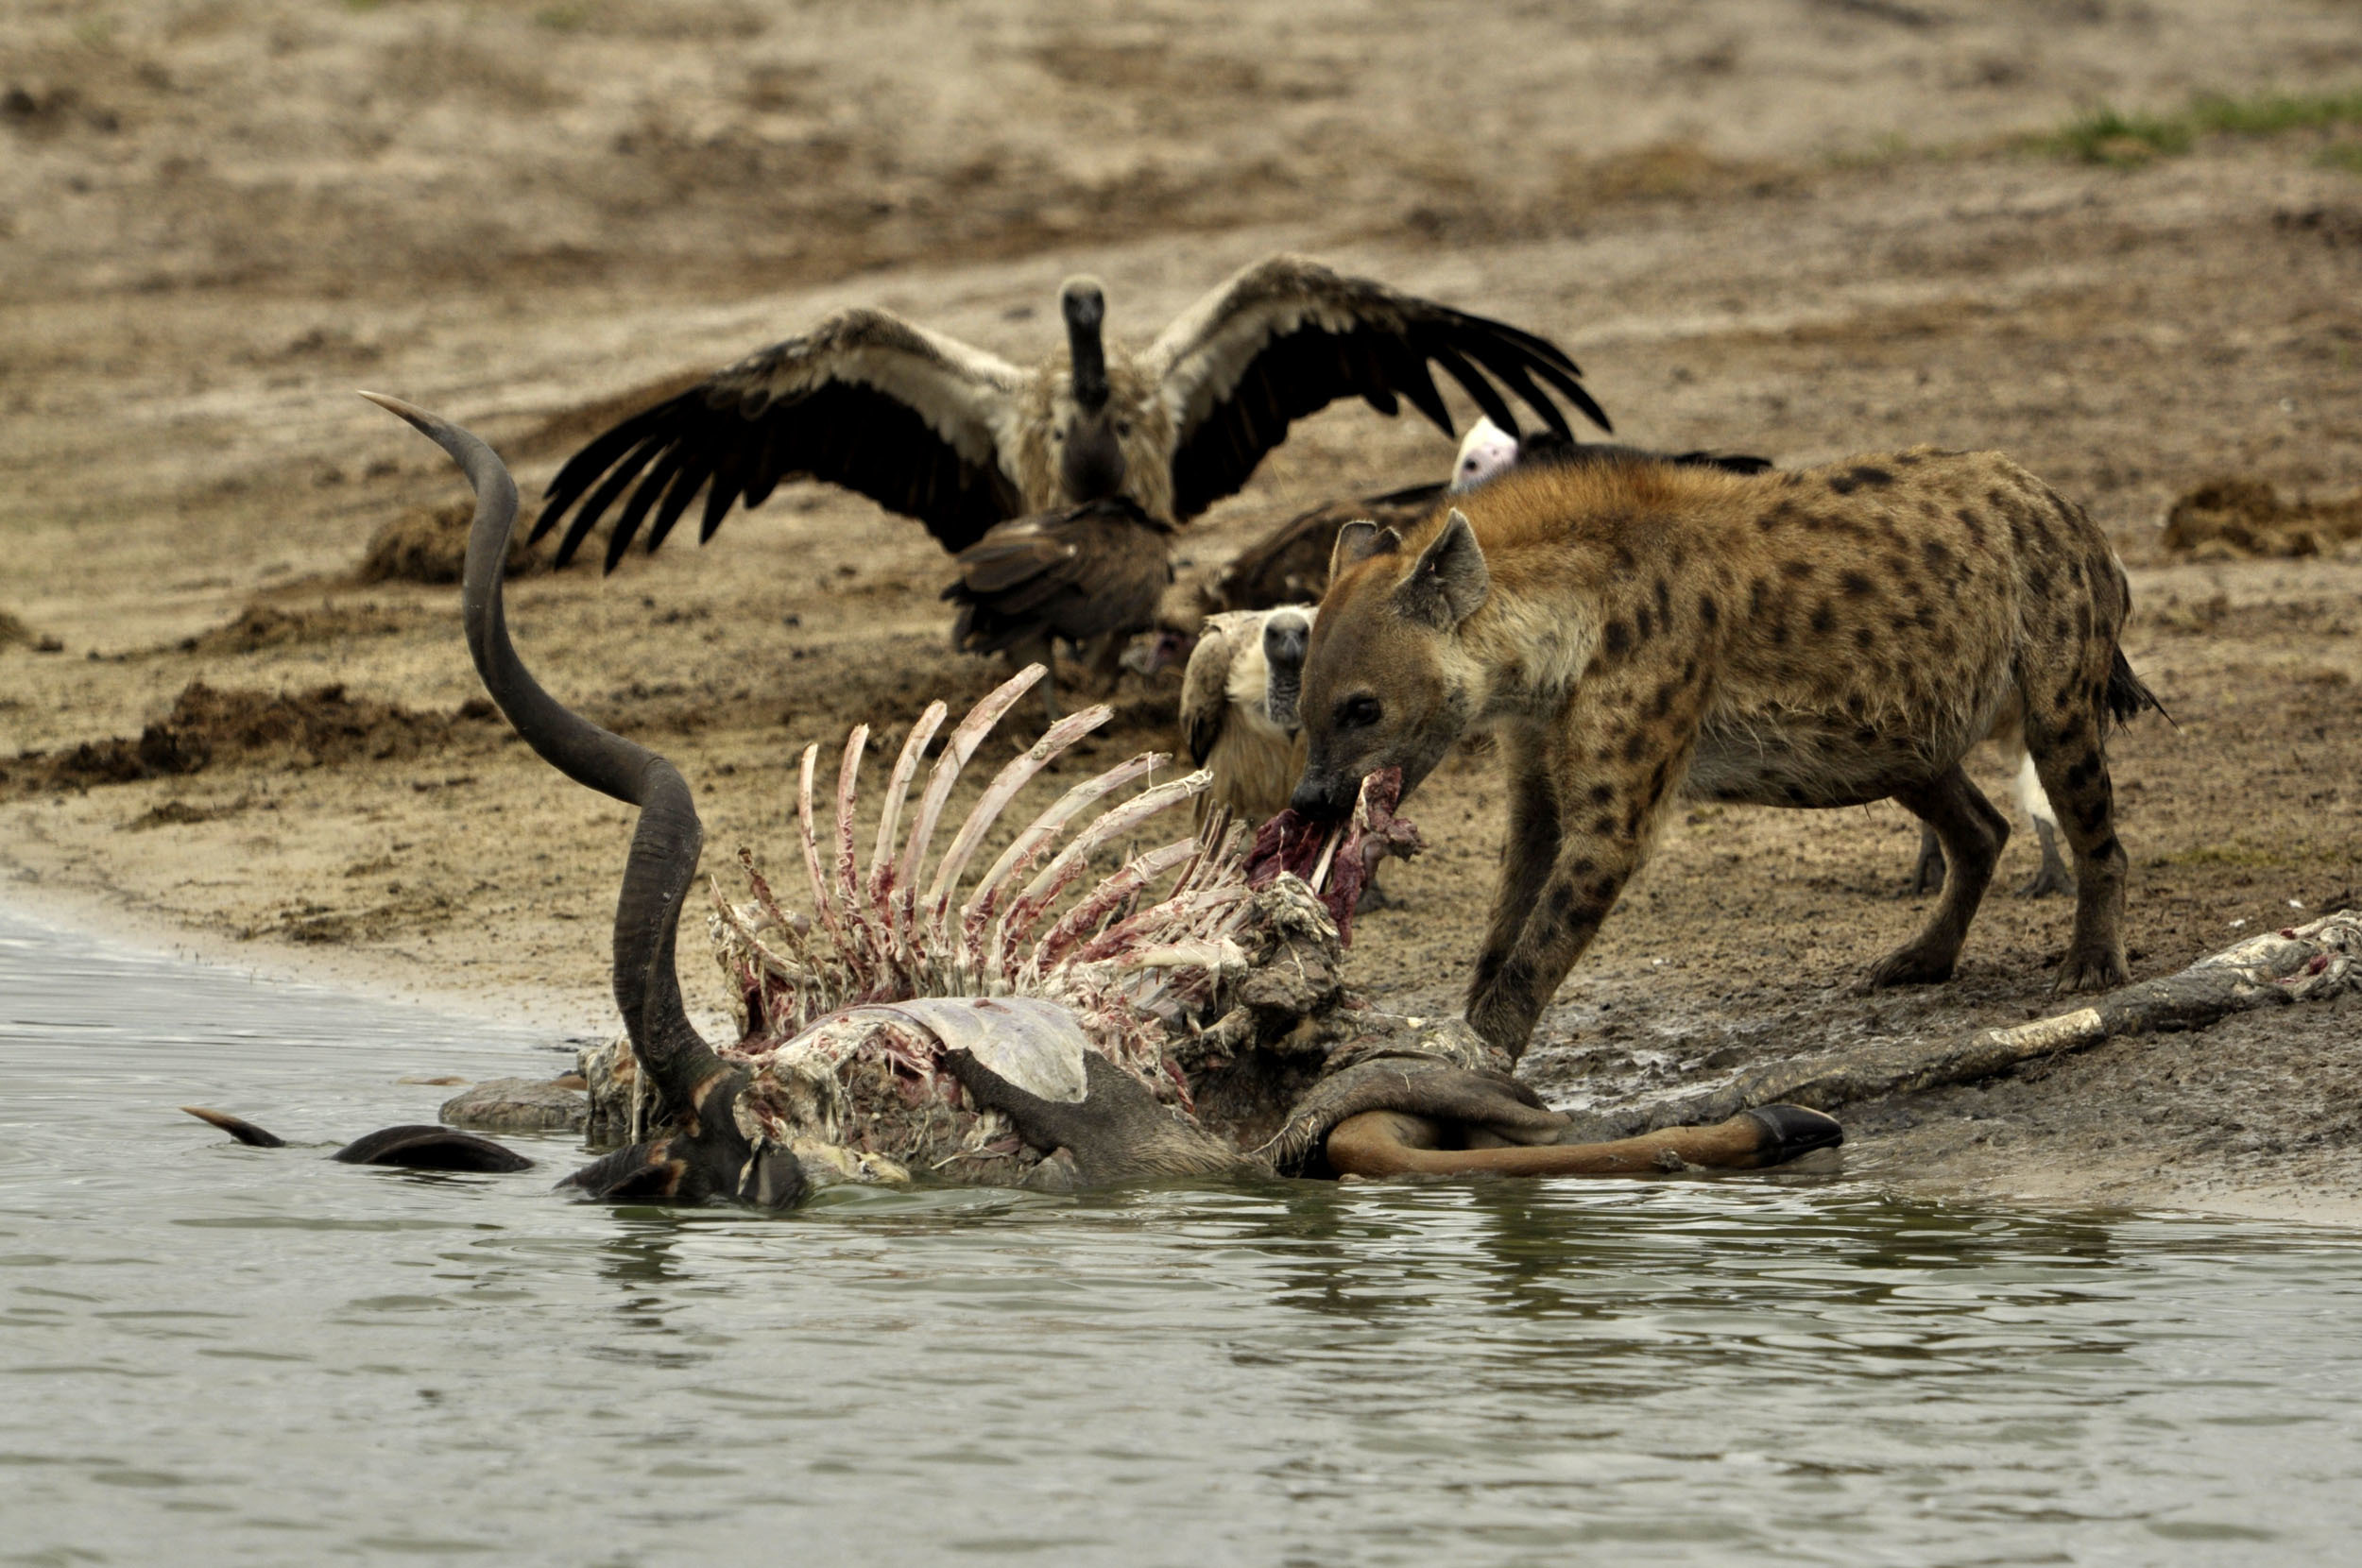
column 1358, row 713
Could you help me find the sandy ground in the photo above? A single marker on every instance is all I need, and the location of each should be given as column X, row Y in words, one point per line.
column 1803, row 229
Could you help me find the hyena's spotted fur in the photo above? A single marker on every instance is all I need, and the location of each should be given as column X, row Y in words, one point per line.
column 1819, row 637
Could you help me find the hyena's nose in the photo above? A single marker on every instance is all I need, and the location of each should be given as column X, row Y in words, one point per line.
column 1322, row 799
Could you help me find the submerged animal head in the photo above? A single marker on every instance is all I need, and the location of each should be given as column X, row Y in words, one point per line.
column 1090, row 442
column 1386, row 683
column 1487, row 450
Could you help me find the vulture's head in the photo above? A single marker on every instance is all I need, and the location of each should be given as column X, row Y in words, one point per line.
column 1090, row 451
column 1286, row 633
column 1487, row 450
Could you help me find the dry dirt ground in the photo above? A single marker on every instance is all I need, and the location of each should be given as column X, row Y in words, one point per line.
column 1803, row 227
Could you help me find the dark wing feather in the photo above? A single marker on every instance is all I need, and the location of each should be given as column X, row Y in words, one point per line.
column 918, row 423
column 1206, row 687
column 1288, row 336
column 1079, row 574
column 1290, row 565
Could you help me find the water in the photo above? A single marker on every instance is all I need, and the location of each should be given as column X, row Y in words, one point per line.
column 213, row 1353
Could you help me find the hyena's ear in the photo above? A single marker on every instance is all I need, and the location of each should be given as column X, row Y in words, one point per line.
column 1451, row 580
column 1358, row 541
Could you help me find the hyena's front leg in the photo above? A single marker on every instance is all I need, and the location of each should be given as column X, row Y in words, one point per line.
column 1529, row 848
column 1615, row 770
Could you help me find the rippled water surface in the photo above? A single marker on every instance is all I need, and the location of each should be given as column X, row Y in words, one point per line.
column 214, row 1353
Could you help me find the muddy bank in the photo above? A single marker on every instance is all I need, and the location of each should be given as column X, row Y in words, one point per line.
column 1803, row 231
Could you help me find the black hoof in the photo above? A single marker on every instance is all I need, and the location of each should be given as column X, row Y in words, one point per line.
column 245, row 1132
column 1792, row 1130
column 423, row 1147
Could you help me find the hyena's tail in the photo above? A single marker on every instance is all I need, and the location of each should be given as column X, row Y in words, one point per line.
column 2128, row 695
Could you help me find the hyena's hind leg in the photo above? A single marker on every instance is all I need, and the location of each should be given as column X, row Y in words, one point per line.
column 2052, row 879
column 2065, row 733
column 1972, row 834
column 2048, row 881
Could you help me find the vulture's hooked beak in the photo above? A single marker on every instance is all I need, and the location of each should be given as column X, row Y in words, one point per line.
column 1284, row 642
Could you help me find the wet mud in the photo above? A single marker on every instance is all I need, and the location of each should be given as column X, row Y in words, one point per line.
column 1800, row 238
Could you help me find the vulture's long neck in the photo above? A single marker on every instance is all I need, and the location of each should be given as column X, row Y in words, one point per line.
column 1090, row 461
column 1084, row 307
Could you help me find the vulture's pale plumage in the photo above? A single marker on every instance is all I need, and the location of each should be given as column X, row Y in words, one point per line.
column 961, row 439
column 1239, row 708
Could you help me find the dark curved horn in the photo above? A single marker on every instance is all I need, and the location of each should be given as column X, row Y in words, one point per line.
column 664, row 847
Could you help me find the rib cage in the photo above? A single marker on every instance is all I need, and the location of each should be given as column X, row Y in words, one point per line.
column 1030, row 925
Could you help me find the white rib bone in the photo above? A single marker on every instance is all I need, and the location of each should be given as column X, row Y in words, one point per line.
column 1103, row 899
column 1175, row 914
column 897, row 790
column 1014, row 776
column 862, row 944
column 1018, row 858
column 824, row 904
column 956, row 750
column 1319, row 878
column 848, row 884
column 1073, row 859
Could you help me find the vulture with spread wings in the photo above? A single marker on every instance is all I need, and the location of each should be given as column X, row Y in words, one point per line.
column 963, row 440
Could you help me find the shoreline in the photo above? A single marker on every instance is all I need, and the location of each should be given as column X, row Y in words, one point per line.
column 112, row 917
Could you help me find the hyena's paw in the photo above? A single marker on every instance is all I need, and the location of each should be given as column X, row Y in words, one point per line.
column 1914, row 963
column 2092, row 969
column 1498, row 1024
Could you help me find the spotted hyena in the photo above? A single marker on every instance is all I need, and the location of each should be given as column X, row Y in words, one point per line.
column 1819, row 638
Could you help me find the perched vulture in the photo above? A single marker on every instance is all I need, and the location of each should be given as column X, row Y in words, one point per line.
column 963, row 440
column 1488, row 449
column 1239, row 708
column 1290, row 563
column 1088, row 574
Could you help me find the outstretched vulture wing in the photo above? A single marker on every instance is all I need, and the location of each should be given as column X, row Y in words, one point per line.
column 917, row 422
column 1288, row 336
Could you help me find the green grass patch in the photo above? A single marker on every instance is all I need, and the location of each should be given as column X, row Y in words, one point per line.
column 2105, row 134
column 2341, row 155
column 2271, row 113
